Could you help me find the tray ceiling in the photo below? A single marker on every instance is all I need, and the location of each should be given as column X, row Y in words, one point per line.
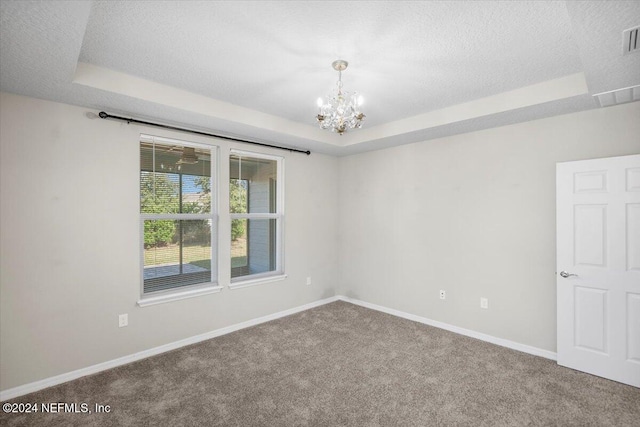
column 255, row 69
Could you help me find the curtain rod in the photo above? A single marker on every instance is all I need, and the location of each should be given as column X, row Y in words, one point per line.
column 104, row 115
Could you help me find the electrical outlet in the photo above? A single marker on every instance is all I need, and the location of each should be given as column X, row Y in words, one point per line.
column 484, row 303
column 308, row 280
column 443, row 294
column 123, row 320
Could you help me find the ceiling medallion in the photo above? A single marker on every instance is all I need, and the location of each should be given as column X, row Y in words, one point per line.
column 340, row 111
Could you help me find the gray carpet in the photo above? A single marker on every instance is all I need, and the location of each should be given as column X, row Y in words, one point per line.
column 341, row 365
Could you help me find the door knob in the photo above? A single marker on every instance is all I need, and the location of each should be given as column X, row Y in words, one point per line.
column 565, row 274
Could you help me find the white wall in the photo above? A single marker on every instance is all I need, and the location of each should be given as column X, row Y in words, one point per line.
column 474, row 215
column 69, row 226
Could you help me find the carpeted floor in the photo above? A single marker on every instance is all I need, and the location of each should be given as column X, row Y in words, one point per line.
column 341, row 365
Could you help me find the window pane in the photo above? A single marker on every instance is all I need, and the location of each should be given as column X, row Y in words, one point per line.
column 253, row 182
column 196, row 194
column 253, row 246
column 239, row 250
column 238, row 191
column 159, row 192
column 174, row 179
column 176, row 253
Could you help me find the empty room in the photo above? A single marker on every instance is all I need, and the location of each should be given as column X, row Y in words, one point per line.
column 319, row 213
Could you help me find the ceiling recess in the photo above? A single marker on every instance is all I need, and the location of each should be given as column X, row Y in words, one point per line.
column 630, row 41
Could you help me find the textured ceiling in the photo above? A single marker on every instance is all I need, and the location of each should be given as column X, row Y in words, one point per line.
column 425, row 69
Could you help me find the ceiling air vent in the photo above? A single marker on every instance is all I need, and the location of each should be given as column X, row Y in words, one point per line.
column 630, row 41
column 619, row 96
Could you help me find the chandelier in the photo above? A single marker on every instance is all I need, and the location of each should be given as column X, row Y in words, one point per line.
column 340, row 110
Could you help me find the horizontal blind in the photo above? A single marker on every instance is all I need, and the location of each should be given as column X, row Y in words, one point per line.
column 176, row 214
column 256, row 216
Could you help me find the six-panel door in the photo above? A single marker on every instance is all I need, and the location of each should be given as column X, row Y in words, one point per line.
column 598, row 254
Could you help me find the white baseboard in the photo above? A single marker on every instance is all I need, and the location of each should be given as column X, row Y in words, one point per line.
column 467, row 332
column 69, row 376
column 63, row 378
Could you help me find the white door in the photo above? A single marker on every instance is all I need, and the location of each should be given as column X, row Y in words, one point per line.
column 598, row 267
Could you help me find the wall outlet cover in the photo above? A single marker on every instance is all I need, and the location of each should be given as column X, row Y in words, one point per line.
column 123, row 320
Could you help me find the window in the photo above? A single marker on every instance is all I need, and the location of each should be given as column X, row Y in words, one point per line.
column 256, row 208
column 178, row 218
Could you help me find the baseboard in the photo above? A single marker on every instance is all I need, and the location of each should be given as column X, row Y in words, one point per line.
column 467, row 332
column 94, row 369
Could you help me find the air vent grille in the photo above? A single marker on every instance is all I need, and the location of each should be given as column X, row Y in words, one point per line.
column 631, row 43
column 619, row 96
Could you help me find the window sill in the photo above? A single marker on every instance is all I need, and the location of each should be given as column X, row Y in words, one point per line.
column 244, row 283
column 161, row 299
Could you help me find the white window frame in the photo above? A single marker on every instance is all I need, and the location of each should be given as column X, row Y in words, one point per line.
column 279, row 216
column 195, row 290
